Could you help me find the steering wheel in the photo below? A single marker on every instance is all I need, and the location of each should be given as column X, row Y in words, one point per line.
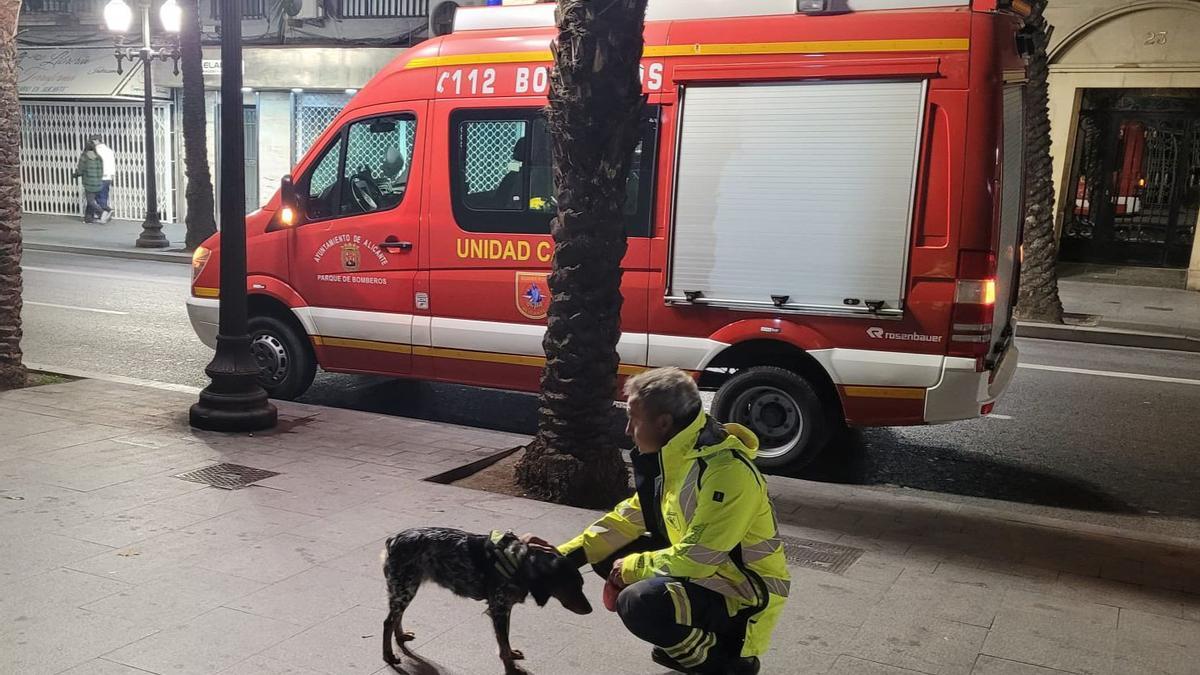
column 366, row 193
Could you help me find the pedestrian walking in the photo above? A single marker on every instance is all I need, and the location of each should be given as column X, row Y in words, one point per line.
column 90, row 170
column 109, row 160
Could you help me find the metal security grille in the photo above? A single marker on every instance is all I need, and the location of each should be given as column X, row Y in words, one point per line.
column 353, row 9
column 53, row 136
column 369, row 150
column 46, row 6
column 489, row 152
column 251, row 9
column 311, row 113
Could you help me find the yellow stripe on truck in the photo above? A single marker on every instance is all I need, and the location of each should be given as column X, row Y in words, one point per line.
column 441, row 353
column 908, row 393
column 717, row 49
column 370, row 345
column 202, row 292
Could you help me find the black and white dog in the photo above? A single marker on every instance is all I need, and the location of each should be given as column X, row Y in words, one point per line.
column 497, row 568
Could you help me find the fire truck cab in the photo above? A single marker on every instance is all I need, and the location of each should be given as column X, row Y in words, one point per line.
column 823, row 215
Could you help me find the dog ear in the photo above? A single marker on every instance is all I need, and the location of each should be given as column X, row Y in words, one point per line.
column 541, row 594
column 539, row 576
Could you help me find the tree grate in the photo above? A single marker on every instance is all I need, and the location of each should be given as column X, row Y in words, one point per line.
column 227, row 476
column 819, row 555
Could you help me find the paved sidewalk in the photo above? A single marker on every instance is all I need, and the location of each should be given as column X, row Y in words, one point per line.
column 1164, row 310
column 113, row 566
column 1135, row 316
column 115, row 238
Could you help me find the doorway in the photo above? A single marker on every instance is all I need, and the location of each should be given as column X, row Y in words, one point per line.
column 250, row 148
column 1136, row 179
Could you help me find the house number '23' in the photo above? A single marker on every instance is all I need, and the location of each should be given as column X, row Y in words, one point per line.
column 1156, row 38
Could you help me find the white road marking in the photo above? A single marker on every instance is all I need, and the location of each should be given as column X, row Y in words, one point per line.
column 102, row 275
column 1109, row 373
column 81, row 309
column 994, row 416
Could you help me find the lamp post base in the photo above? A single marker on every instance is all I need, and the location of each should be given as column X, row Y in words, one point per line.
column 234, row 401
column 152, row 236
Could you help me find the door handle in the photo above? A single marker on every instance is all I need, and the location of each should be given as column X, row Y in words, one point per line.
column 392, row 244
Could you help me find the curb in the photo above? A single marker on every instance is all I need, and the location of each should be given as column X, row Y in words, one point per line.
column 127, row 254
column 1107, row 336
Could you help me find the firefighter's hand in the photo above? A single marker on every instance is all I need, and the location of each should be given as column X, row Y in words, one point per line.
column 534, row 541
column 614, row 577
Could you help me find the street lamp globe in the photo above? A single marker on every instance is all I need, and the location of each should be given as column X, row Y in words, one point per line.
column 118, row 16
column 171, row 15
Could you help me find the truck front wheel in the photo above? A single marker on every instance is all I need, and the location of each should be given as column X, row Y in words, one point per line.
column 782, row 409
column 286, row 365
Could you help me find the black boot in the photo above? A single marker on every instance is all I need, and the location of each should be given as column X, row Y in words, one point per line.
column 748, row 665
column 662, row 658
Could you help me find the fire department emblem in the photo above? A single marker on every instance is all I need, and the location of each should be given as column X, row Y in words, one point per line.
column 351, row 257
column 533, row 294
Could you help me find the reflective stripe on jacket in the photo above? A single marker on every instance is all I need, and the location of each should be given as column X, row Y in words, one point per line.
column 714, row 509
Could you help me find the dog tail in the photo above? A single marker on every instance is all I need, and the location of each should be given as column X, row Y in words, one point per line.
column 387, row 547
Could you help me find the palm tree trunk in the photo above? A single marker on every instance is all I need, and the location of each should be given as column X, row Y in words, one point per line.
column 201, row 220
column 12, row 372
column 1038, row 298
column 595, row 104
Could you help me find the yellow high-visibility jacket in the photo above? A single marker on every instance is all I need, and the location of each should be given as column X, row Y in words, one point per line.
column 712, row 506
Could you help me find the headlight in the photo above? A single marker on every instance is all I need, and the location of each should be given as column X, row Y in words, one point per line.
column 199, row 260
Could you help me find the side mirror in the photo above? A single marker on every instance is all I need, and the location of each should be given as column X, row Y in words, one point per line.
column 290, row 204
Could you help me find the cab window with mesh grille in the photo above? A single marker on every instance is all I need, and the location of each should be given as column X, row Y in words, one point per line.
column 502, row 173
column 365, row 170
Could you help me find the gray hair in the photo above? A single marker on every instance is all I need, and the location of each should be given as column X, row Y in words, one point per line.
column 666, row 391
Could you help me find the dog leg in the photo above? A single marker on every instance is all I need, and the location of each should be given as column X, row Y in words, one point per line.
column 400, row 594
column 389, row 656
column 500, row 611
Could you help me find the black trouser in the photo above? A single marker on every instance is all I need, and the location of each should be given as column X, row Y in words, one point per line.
column 691, row 623
column 92, row 209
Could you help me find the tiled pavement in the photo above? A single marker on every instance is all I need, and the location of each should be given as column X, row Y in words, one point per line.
column 112, row 566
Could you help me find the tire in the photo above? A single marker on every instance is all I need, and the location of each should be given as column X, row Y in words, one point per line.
column 285, row 360
column 782, row 409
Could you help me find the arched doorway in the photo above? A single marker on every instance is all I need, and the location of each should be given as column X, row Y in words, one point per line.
column 1125, row 111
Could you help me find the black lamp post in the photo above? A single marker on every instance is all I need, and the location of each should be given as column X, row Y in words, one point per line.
column 118, row 16
column 233, row 401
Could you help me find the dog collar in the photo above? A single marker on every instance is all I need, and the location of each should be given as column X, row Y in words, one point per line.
column 507, row 553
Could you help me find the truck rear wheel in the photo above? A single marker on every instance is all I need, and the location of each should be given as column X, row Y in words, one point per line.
column 286, row 365
column 782, row 409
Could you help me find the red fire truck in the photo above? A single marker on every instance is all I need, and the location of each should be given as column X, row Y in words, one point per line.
column 823, row 215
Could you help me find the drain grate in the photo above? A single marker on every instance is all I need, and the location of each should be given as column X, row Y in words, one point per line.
column 819, row 555
column 227, row 476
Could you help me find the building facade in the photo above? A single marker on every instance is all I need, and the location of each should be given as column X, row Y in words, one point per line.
column 303, row 59
column 1125, row 112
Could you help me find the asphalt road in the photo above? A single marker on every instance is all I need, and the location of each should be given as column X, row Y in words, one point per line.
column 1110, row 430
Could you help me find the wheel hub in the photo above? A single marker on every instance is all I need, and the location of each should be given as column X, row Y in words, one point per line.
column 773, row 415
column 271, row 357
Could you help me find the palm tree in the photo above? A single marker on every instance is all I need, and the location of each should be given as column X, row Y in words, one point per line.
column 201, row 220
column 1038, row 298
column 12, row 371
column 595, row 104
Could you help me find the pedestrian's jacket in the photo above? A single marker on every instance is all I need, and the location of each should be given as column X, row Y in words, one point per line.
column 704, row 495
column 91, row 170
